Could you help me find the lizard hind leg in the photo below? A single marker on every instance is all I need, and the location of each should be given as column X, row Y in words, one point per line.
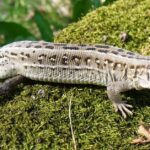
column 114, row 90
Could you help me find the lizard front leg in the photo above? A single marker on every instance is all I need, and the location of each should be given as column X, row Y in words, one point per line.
column 114, row 90
column 9, row 84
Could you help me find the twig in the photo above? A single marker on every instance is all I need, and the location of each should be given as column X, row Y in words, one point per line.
column 72, row 132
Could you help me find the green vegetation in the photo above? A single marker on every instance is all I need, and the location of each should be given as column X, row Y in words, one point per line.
column 130, row 17
column 35, row 115
column 41, row 19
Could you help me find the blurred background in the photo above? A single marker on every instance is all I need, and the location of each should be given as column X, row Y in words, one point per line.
column 41, row 19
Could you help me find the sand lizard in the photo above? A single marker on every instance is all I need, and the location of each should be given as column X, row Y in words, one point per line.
column 117, row 69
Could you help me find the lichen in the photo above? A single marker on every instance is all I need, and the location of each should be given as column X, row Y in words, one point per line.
column 32, row 118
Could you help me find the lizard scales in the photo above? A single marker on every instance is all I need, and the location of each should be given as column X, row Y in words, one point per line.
column 118, row 69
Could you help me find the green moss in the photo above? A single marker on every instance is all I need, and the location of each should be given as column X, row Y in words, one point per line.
column 35, row 116
column 123, row 16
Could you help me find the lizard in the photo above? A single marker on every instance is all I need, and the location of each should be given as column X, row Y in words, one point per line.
column 118, row 69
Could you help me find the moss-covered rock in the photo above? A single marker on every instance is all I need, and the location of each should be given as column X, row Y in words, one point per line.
column 35, row 116
column 127, row 16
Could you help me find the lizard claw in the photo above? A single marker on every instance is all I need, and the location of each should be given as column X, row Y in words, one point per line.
column 123, row 108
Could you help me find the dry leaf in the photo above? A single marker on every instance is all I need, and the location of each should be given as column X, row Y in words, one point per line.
column 145, row 132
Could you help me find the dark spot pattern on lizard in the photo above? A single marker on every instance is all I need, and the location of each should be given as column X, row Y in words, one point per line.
column 87, row 60
column 115, row 52
column 103, row 51
column 132, row 66
column 40, row 61
column 120, row 50
column 71, row 47
column 28, row 46
column 49, row 46
column 28, row 55
column 37, row 46
column 123, row 55
column 130, row 56
column 130, row 53
column 22, row 58
column 52, row 59
column 90, row 48
column 77, row 60
column 102, row 46
column 25, row 67
column 64, row 60
column 14, row 54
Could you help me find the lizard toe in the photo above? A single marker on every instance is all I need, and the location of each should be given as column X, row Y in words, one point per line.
column 123, row 109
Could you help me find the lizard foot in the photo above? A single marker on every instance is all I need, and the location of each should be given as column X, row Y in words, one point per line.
column 123, row 108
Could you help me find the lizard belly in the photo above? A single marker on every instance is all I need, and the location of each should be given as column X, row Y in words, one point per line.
column 62, row 74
